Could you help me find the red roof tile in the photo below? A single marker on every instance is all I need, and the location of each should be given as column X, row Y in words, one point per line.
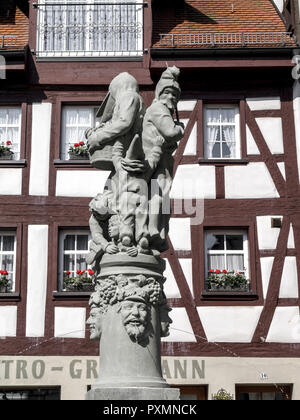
column 215, row 16
column 14, row 28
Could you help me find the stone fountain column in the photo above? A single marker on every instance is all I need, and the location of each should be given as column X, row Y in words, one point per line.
column 129, row 311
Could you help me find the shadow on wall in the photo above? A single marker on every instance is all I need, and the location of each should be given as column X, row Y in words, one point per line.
column 8, row 10
column 171, row 13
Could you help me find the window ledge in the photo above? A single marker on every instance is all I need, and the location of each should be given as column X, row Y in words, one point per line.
column 10, row 296
column 78, row 163
column 223, row 162
column 71, row 295
column 228, row 295
column 21, row 163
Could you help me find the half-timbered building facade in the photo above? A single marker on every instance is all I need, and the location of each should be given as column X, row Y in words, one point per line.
column 235, row 196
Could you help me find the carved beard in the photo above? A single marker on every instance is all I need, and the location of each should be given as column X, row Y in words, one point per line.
column 135, row 332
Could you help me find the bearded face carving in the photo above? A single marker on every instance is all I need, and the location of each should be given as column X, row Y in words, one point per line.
column 134, row 315
column 94, row 321
column 132, row 297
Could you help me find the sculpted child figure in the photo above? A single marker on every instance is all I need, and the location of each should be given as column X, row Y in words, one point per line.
column 160, row 137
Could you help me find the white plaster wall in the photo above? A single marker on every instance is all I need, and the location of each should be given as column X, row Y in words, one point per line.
column 69, row 322
column 252, row 148
column 194, row 181
column 296, row 105
column 170, row 286
column 191, row 146
column 289, row 280
column 180, row 233
column 37, row 266
column 271, row 129
column 8, row 321
column 267, row 236
column 279, row 4
column 249, row 181
column 285, row 326
column 187, row 268
column 281, row 166
column 40, row 148
column 261, row 104
column 180, row 329
column 80, row 183
column 186, row 105
column 266, row 265
column 291, row 239
column 231, row 324
column 11, row 181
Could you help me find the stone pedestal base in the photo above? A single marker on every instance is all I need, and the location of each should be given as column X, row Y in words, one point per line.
column 138, row 394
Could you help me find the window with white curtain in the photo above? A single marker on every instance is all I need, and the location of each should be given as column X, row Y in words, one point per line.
column 10, row 128
column 222, row 132
column 73, row 249
column 8, row 256
column 75, row 121
column 90, row 28
column 227, row 250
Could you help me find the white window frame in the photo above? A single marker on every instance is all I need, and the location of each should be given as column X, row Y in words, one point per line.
column 244, row 252
column 41, row 53
column 14, row 253
column 62, row 252
column 16, row 143
column 64, row 146
column 220, row 124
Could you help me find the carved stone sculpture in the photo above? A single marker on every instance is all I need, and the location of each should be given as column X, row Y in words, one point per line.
column 129, row 311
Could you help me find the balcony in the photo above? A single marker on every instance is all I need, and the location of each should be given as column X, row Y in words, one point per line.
column 227, row 40
column 90, row 30
column 8, row 41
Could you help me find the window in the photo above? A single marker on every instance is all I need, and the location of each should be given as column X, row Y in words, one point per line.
column 227, row 251
column 222, row 132
column 10, row 129
column 8, row 259
column 90, row 28
column 263, row 393
column 75, row 120
column 74, row 246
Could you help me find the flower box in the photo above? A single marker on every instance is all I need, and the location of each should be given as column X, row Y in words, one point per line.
column 80, row 282
column 78, row 151
column 223, row 281
column 6, row 156
column 85, row 287
column 4, row 282
column 5, row 150
column 75, row 156
column 217, row 288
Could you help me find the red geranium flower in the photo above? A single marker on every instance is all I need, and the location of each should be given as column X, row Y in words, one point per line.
column 78, row 272
column 81, row 143
column 91, row 272
column 8, row 143
column 218, row 271
column 68, row 273
column 76, row 144
column 1, row 272
column 224, row 271
column 211, row 271
column 4, row 272
column 82, row 272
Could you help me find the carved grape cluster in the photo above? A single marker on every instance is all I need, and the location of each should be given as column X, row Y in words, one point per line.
column 155, row 292
column 107, row 290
